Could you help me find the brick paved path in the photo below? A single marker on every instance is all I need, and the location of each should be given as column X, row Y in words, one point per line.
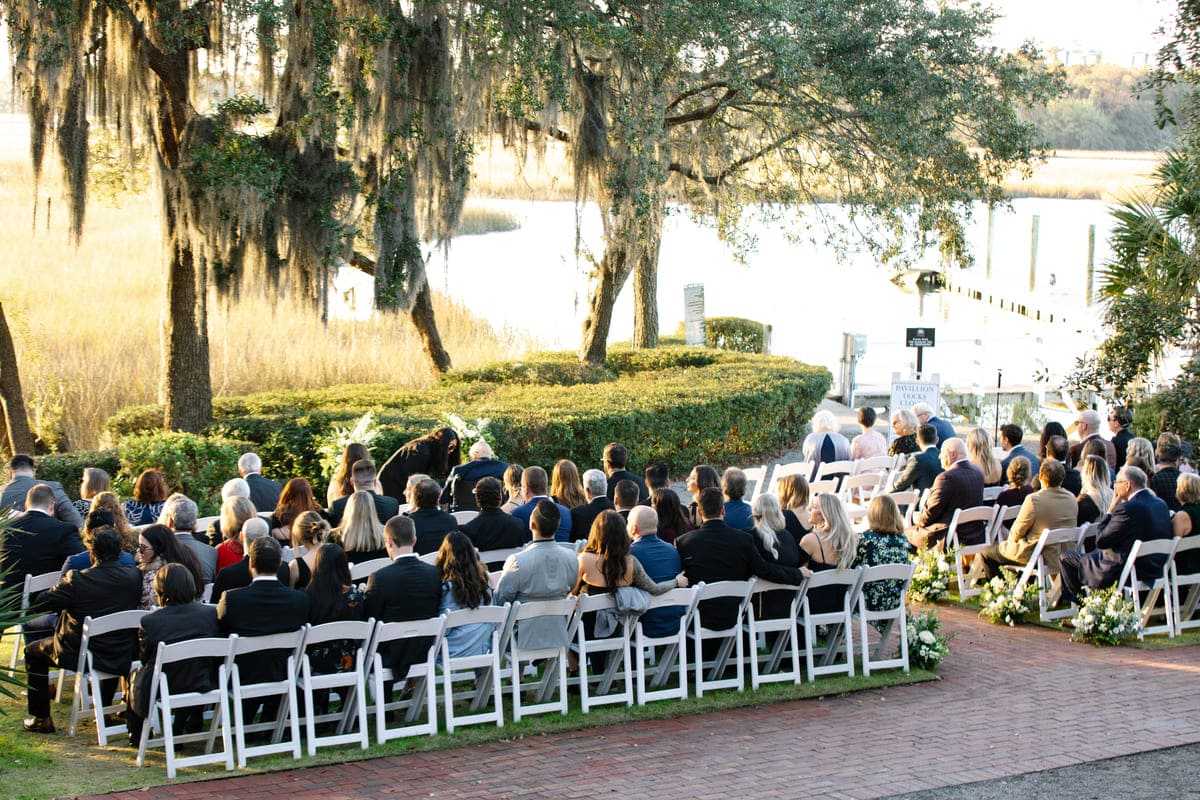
column 1011, row 701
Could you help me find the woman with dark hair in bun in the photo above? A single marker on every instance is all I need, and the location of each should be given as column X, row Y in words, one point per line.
column 433, row 455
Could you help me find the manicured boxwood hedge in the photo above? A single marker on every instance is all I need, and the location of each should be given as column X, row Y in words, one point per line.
column 678, row 404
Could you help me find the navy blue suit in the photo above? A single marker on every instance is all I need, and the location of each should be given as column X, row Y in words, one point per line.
column 1143, row 516
column 462, row 479
column 562, row 533
column 739, row 515
column 1020, row 450
column 661, row 562
column 944, row 429
column 920, row 472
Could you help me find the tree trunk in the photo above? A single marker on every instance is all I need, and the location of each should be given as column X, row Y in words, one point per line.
column 645, row 288
column 426, row 325
column 610, row 277
column 187, row 386
column 17, row 434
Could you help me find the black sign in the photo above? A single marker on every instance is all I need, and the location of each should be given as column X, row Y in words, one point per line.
column 918, row 337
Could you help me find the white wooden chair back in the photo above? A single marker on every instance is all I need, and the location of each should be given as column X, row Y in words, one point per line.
column 422, row 676
column 839, row 622
column 881, row 464
column 618, row 661
column 730, row 639
column 1157, row 585
column 893, row 619
column 483, row 671
column 1184, row 600
column 464, row 516
column 781, row 471
column 964, row 516
column 769, row 667
column 556, row 657
column 759, row 476
column 32, row 585
column 365, row 569
column 671, row 649
column 87, row 699
column 287, row 721
column 351, row 685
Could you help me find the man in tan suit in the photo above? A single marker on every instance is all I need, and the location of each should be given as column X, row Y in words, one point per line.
column 1051, row 507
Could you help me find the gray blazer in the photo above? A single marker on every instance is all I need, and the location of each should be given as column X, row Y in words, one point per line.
column 13, row 496
column 207, row 556
column 544, row 570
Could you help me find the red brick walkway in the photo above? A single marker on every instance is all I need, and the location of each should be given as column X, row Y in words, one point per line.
column 1011, row 701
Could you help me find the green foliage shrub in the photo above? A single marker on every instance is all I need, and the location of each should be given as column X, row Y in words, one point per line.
column 1176, row 408
column 734, row 333
column 67, row 468
column 196, row 465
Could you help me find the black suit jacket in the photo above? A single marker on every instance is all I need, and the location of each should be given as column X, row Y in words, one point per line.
column 432, row 526
column 1120, row 443
column 495, row 530
column 385, row 508
column 626, row 475
column 260, row 609
column 103, row 589
column 920, row 472
column 462, row 479
column 36, row 543
column 172, row 624
column 715, row 552
column 406, row 589
column 961, row 486
column 583, row 516
column 237, row 576
column 264, row 492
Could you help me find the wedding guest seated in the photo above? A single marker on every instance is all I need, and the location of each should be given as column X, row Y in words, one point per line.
column 1018, row 483
column 595, row 488
column 657, row 476
column 1140, row 453
column 870, row 443
column 235, row 512
column 179, row 514
column 959, row 486
column 883, row 542
column 158, row 546
column 432, row 523
column 149, row 495
column 1011, row 438
column 1119, row 420
column 456, row 495
column 1186, row 521
column 1088, row 428
column 672, row 522
column 342, row 483
column 365, row 481
column 238, row 575
column 1049, row 431
column 658, row 558
column 979, row 451
column 35, row 542
column 1166, row 471
column 264, row 492
column 107, row 501
column 1097, row 492
column 295, row 499
column 625, row 498
column 616, row 459
column 100, row 518
column 833, row 544
column 793, row 501
column 493, row 529
column 1058, row 449
column 407, row 589
column 544, row 570
column 95, row 481
column 923, row 466
column 777, row 546
column 825, row 444
column 464, row 585
column 309, row 532
column 361, row 532
column 512, row 488
column 535, row 486
column 904, row 426
column 234, row 487
column 14, row 493
column 738, row 513
column 700, row 478
column 566, row 488
column 923, row 413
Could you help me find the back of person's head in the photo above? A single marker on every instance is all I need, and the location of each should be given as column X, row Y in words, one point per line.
column 401, row 531
column 249, row 462
column 95, row 480
column 99, row 518
column 21, row 463
column 150, row 487
column 1018, row 471
column 953, row 449
column 866, row 417
column 39, row 496
column 733, row 483
column 1123, row 416
column 480, row 449
column 1140, row 453
column 363, row 474
column 657, row 475
column 254, row 529
column 921, row 409
column 768, row 520
column 1187, row 488
column 927, row 435
column 645, row 519
column 265, row 556
column 544, row 519
column 626, row 494
column 234, row 513
column 461, row 568
column 883, row 515
column 595, row 483
column 174, row 585
column 427, row 494
column 615, row 455
column 1052, row 472
column 1057, row 448
column 489, row 493
column 1137, row 479
column 535, row 481
column 309, row 529
column 1049, row 431
column 180, row 512
column 235, row 487
column 1091, row 418
column 1012, row 435
column 711, row 503
column 105, row 544
column 1169, row 448
column 668, row 509
column 793, row 491
column 512, row 480
column 1094, row 447
column 824, row 422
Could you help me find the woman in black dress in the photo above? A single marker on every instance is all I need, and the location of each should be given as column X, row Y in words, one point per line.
column 309, row 531
column 434, row 455
column 777, row 546
column 793, row 500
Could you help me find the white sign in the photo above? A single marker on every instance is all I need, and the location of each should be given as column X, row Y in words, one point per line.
column 906, row 394
column 693, row 314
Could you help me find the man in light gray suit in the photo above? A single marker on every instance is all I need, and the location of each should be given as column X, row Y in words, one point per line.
column 13, row 494
column 179, row 514
column 544, row 570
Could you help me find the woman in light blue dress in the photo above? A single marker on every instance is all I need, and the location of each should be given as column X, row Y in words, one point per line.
column 464, row 585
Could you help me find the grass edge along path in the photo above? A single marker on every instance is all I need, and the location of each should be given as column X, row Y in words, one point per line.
column 36, row 767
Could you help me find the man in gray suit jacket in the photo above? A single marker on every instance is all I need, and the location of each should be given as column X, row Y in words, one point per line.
column 179, row 514
column 23, row 479
column 544, row 570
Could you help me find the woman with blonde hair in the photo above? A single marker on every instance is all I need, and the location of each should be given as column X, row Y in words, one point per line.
column 979, row 453
column 1140, row 454
column 793, row 500
column 1186, row 521
column 904, row 425
column 512, row 488
column 309, row 531
column 833, row 544
column 360, row 534
column 95, row 481
column 882, row 543
column 342, row 483
column 565, row 486
column 107, row 501
column 777, row 546
column 234, row 513
column 1097, row 492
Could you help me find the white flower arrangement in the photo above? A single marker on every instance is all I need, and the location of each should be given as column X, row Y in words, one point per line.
column 469, row 432
column 1105, row 617
column 365, row 431
column 932, row 575
column 1003, row 601
column 927, row 646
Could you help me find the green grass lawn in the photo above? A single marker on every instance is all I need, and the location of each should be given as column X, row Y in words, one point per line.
column 35, row 767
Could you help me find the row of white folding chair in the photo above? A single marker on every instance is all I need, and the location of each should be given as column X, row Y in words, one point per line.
column 32, row 585
column 1184, row 601
column 1155, row 586
column 996, row 520
column 1065, row 539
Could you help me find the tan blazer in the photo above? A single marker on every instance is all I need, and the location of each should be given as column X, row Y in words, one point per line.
column 1050, row 508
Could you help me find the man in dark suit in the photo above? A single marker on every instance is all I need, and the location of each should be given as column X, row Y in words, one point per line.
column 179, row 618
column 36, row 542
column 406, row 589
column 925, row 416
column 1088, row 427
column 457, row 494
column 1011, row 437
column 363, row 474
column 179, row 514
column 959, row 486
column 1058, row 448
column 922, row 468
column 106, row 588
column 715, row 552
column 431, row 522
column 1166, row 470
column 264, row 492
column 493, row 529
column 595, row 487
column 14, row 493
column 535, row 486
column 264, row 607
column 1119, row 420
column 616, row 458
column 240, row 575
column 1135, row 513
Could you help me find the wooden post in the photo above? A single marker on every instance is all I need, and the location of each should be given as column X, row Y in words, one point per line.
column 991, row 230
column 1033, row 250
column 1088, row 295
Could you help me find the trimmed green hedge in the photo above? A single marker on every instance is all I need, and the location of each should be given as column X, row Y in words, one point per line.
column 1175, row 409
column 734, row 333
column 677, row 404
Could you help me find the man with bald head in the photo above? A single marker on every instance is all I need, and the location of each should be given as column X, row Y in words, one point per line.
column 1088, row 426
column 661, row 562
column 960, row 485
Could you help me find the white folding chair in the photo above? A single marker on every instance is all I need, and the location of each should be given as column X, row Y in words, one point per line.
column 990, row 493
column 360, row 572
column 351, row 685
column 1002, row 523
column 429, row 558
column 33, row 585
column 287, row 718
column 833, row 470
column 1155, row 586
column 1035, row 568
column 838, row 621
column 555, row 657
column 766, row 667
column 1185, row 606
column 827, row 486
column 907, row 500
column 861, row 488
column 880, row 464
column 670, row 650
column 617, row 658
column 164, row 704
column 464, row 516
column 759, row 476
column 893, row 619
column 421, row 679
column 964, row 516
column 87, row 699
column 729, row 639
column 499, row 556
column 206, row 593
column 782, row 471
column 482, row 670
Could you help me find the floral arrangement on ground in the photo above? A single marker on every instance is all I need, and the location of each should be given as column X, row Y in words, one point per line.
column 927, row 645
column 1105, row 617
column 931, row 576
column 1004, row 601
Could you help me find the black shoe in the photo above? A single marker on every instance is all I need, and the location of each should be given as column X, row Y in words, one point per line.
column 39, row 725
